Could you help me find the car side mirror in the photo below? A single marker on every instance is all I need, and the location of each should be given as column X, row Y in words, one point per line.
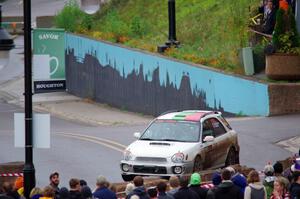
column 137, row 135
column 208, row 138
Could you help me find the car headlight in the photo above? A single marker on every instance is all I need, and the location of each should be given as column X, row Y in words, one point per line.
column 127, row 155
column 177, row 157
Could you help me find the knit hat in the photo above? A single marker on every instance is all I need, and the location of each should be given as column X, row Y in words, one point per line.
column 269, row 170
column 195, row 179
column 129, row 188
column 296, row 165
column 278, row 167
column 19, row 182
column 216, row 178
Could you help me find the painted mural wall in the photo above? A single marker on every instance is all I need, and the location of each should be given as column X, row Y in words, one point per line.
column 137, row 81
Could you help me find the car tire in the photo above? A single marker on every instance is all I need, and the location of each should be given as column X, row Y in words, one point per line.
column 232, row 157
column 198, row 165
column 127, row 178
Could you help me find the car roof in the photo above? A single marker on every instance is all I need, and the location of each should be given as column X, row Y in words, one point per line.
column 187, row 115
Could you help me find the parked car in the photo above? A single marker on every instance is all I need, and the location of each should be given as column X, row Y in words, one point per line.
column 179, row 143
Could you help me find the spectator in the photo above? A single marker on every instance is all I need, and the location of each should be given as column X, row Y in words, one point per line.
column 255, row 189
column 9, row 190
column 216, row 180
column 278, row 171
column 162, row 188
column 152, row 192
column 19, row 186
column 36, row 193
column 48, row 193
column 129, row 188
column 238, row 179
column 295, row 186
column 64, row 193
column 269, row 179
column 102, row 191
column 54, row 182
column 184, row 192
column 174, row 185
column 279, row 191
column 6, row 189
column 134, row 197
column 75, row 189
column 83, row 183
column 195, row 182
column 139, row 189
column 112, row 187
column 227, row 189
column 86, row 192
column 269, row 19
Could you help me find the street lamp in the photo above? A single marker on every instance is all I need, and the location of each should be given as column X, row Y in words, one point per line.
column 172, row 28
column 6, row 44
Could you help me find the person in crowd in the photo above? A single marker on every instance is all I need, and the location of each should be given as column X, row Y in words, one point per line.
column 216, row 180
column 152, row 192
column 195, row 185
column 48, row 193
column 64, row 193
column 269, row 18
column 278, row 171
column 255, row 189
column 269, row 179
column 5, row 191
column 161, row 189
column 10, row 190
column 295, row 186
column 139, row 189
column 112, row 187
column 102, row 191
column 75, row 188
column 86, row 192
column 19, row 186
column 135, row 197
column 174, row 185
column 83, row 183
column 279, row 191
column 184, row 192
column 129, row 188
column 238, row 179
column 54, row 182
column 36, row 193
column 227, row 190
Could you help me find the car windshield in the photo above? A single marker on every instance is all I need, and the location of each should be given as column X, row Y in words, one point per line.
column 172, row 130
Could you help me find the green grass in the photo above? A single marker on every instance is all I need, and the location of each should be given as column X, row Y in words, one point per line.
column 211, row 31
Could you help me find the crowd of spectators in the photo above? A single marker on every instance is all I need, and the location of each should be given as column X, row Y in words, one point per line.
column 273, row 183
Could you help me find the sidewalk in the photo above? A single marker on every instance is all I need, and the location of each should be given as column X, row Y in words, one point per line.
column 69, row 107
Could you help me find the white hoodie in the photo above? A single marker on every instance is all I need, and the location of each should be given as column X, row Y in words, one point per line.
column 256, row 185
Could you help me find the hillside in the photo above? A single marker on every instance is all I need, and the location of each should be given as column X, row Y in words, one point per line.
column 210, row 31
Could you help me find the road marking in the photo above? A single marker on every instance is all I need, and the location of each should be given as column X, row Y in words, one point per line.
column 105, row 142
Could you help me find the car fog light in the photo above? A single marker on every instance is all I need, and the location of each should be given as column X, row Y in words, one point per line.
column 177, row 170
column 125, row 167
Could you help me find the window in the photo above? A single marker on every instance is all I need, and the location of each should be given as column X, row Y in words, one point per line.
column 217, row 127
column 207, row 129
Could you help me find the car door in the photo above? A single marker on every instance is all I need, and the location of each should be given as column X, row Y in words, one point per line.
column 222, row 142
column 207, row 149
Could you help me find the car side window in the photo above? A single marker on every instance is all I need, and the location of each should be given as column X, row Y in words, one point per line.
column 217, row 127
column 207, row 129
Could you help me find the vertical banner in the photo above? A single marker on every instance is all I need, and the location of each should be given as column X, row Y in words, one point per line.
column 49, row 60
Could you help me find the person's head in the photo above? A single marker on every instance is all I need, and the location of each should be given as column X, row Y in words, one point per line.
column 253, row 177
column 113, row 187
column 174, row 182
column 138, row 181
column 231, row 169
column 7, row 187
column 296, row 166
column 54, row 178
column 101, row 181
column 74, row 184
column 270, row 4
column 135, row 197
column 268, row 170
column 83, row 183
column 152, row 192
column 226, row 174
column 195, row 179
column 86, row 192
column 278, row 168
column 35, row 191
column 279, row 184
column 216, row 178
column 48, row 191
column 129, row 188
column 161, row 186
column 63, row 193
column 184, row 181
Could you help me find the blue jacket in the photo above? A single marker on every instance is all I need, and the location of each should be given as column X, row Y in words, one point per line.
column 104, row 193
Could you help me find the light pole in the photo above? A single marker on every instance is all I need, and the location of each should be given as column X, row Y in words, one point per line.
column 28, row 171
column 172, row 28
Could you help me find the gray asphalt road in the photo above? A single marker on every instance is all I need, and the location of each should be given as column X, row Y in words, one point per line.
column 86, row 158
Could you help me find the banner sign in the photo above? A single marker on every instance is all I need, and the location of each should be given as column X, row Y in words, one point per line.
column 48, row 60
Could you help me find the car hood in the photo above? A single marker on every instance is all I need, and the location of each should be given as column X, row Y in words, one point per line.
column 158, row 148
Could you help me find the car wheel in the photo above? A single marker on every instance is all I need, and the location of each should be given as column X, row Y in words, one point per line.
column 232, row 158
column 198, row 165
column 127, row 178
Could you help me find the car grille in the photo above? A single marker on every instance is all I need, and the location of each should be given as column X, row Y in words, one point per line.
column 149, row 169
column 150, row 159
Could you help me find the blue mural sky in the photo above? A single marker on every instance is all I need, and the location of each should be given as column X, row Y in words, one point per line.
column 236, row 95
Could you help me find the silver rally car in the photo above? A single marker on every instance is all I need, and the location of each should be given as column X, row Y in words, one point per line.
column 179, row 143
